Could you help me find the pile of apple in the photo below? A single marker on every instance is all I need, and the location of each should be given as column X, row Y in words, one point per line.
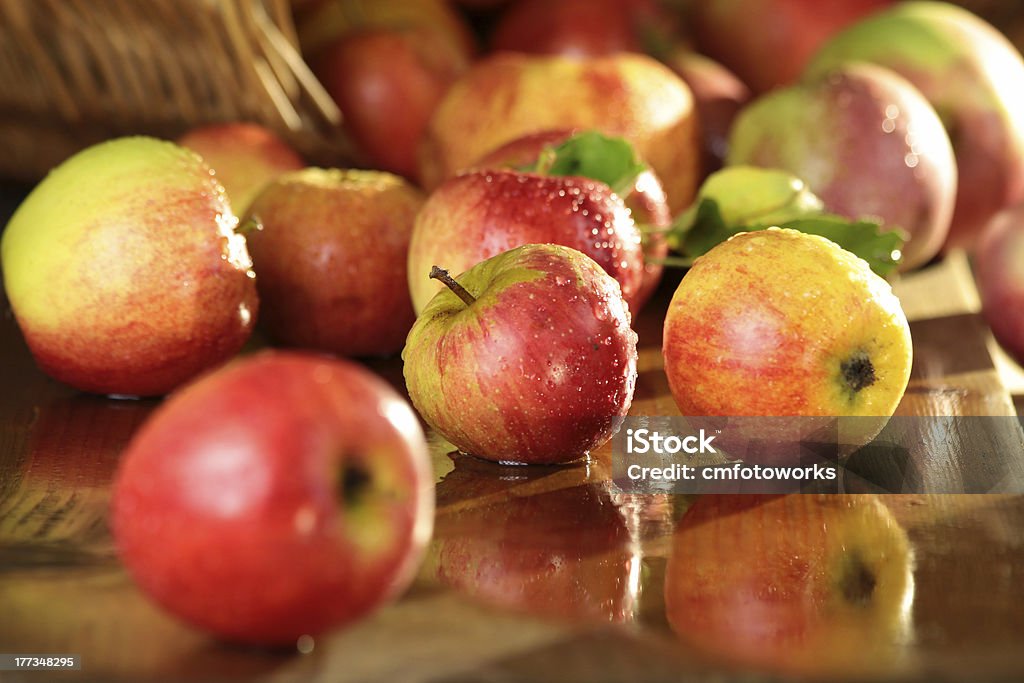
column 511, row 214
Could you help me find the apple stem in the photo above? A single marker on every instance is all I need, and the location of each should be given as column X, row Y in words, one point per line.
column 438, row 273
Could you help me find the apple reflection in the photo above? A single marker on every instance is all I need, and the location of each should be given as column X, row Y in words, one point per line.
column 801, row 584
column 541, row 542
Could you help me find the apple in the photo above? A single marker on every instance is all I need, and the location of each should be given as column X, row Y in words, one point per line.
column 999, row 270
column 803, row 584
column 480, row 214
column 767, row 43
column 508, row 95
column 244, row 156
column 718, row 96
column 282, row 495
column 567, row 27
column 387, row 83
column 867, row 143
column 124, row 270
column 331, row 256
column 327, row 21
column 528, row 358
column 783, row 323
column 645, row 200
column 972, row 76
column 564, row 553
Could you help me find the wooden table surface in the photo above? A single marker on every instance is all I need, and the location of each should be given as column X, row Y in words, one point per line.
column 549, row 574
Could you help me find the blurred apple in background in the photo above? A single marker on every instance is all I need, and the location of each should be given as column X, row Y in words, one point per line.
column 562, row 553
column 331, row 256
column 645, row 199
column 283, row 495
column 124, row 270
column 804, row 584
column 973, row 77
column 323, row 22
column 387, row 83
column 999, row 269
column 480, row 214
column 508, row 95
column 866, row 142
column 567, row 27
column 767, row 43
column 718, row 95
column 527, row 358
column 245, row 157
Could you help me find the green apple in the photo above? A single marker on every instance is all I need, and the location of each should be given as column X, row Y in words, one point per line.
column 125, row 272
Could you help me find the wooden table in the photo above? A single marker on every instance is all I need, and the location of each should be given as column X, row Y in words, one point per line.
column 549, row 574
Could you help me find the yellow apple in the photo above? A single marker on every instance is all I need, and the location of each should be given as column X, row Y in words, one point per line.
column 509, row 95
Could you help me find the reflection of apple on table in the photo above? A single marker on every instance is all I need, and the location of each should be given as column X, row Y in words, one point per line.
column 797, row 583
column 564, row 553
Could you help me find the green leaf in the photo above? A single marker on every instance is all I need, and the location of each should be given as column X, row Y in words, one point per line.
column 882, row 249
column 590, row 154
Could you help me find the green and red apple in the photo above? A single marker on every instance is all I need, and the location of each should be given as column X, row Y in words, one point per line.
column 578, row 28
column 801, row 584
column 244, row 156
column 528, row 357
column 867, row 143
column 783, row 323
column 508, row 95
column 125, row 272
column 331, row 254
column 973, row 76
column 282, row 495
column 479, row 214
column 999, row 270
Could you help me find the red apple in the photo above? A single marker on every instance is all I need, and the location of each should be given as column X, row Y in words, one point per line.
column 767, row 43
column 387, row 83
column 480, row 214
column 999, row 268
column 245, row 157
column 331, row 256
column 508, row 95
column 124, row 270
column 807, row 584
column 718, row 95
column 283, row 495
column 646, row 201
column 973, row 76
column 533, row 361
column 566, row 27
column 867, row 143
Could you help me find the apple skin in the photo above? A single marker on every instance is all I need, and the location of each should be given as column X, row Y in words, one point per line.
column 508, row 95
column 718, row 95
column 387, row 83
column 867, row 143
column 480, row 214
column 781, row 323
column 244, row 156
column 972, row 75
column 331, row 256
column 124, row 271
column 767, row 43
column 539, row 369
column 284, row 494
column 647, row 202
column 999, row 270
column 805, row 584
column 566, row 27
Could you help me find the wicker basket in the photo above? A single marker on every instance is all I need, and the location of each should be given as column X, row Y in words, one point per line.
column 74, row 72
